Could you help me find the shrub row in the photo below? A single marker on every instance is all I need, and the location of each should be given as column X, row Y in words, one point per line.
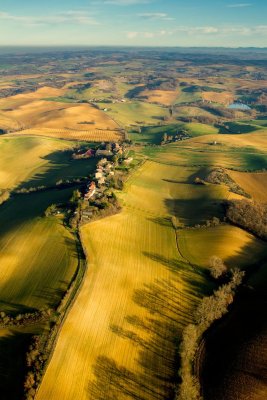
column 210, row 309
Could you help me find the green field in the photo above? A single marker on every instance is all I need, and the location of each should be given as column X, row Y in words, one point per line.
column 44, row 161
column 240, row 127
column 135, row 113
column 236, row 247
column 38, row 257
column 22, row 157
column 197, row 129
column 153, row 134
column 188, row 97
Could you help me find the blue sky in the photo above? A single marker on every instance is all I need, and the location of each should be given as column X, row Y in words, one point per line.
column 134, row 22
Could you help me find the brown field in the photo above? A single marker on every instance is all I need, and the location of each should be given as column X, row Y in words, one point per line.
column 165, row 97
column 34, row 115
column 222, row 98
column 55, row 115
column 254, row 184
column 97, row 135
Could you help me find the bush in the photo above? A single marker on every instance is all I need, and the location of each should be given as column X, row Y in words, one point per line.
column 218, row 268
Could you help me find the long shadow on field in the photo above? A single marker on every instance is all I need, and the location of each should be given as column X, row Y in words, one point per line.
column 22, row 209
column 155, row 337
column 61, row 166
column 195, row 211
column 12, row 365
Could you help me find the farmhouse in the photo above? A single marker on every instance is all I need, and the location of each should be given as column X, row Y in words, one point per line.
column 91, row 191
column 101, row 181
column 100, row 153
column 128, row 160
column 98, row 175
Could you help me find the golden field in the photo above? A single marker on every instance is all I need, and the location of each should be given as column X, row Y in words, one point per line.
column 222, row 98
column 32, row 114
column 165, row 97
column 136, row 297
column 29, row 152
column 254, row 183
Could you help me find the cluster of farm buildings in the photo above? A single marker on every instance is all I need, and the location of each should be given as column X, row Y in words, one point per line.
column 104, row 150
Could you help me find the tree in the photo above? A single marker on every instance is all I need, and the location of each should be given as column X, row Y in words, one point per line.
column 218, row 268
column 115, row 159
column 76, row 195
column 50, row 210
column 108, row 147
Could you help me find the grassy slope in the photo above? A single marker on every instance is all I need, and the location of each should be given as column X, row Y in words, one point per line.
column 38, row 255
column 117, row 322
column 22, row 157
column 235, row 246
column 136, row 113
column 34, row 161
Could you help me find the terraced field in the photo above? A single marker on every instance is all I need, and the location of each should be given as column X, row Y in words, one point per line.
column 137, row 296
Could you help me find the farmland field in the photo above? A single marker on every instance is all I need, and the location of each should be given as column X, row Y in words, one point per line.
column 235, row 246
column 132, row 256
column 253, row 183
column 33, row 113
column 26, row 151
column 38, row 257
column 147, row 218
column 136, row 113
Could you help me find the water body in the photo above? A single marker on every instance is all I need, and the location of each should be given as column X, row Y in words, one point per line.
column 239, row 106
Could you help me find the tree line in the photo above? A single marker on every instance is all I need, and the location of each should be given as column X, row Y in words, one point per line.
column 209, row 310
column 249, row 215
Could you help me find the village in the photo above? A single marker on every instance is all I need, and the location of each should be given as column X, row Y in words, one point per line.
column 98, row 197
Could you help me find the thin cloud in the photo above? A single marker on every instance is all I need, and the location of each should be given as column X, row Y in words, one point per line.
column 124, row 2
column 239, row 5
column 202, row 31
column 132, row 35
column 71, row 16
column 161, row 16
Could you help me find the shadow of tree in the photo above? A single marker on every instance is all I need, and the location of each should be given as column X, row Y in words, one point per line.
column 156, row 335
column 61, row 166
column 13, row 365
column 195, row 211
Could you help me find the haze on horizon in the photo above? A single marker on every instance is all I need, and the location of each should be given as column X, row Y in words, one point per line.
column 231, row 23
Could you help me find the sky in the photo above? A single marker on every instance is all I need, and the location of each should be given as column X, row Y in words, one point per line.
column 228, row 23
